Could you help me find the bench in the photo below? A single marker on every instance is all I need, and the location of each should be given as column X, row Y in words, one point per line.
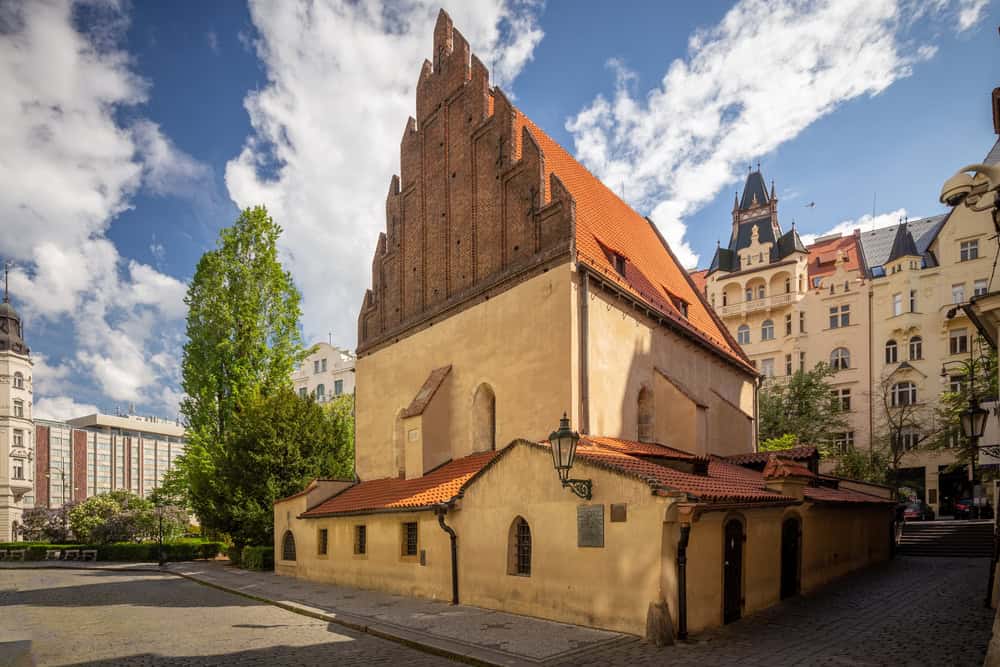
column 3, row 554
column 88, row 554
column 53, row 554
column 16, row 554
column 72, row 554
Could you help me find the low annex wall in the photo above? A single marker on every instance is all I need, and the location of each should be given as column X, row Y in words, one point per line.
column 836, row 540
column 383, row 566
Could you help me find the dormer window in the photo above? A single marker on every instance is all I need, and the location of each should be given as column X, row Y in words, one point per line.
column 619, row 263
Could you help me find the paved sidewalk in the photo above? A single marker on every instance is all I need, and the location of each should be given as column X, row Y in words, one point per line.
column 466, row 633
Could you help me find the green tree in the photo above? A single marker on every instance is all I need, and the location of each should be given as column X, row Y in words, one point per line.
column 786, row 441
column 118, row 516
column 243, row 344
column 276, row 446
column 803, row 407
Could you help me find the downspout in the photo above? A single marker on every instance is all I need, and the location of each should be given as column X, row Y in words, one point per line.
column 584, row 425
column 682, row 615
column 871, row 379
column 440, row 511
column 756, row 414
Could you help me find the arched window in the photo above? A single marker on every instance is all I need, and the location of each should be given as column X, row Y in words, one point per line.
column 644, row 429
column 749, row 294
column 288, row 546
column 891, row 352
column 484, row 419
column 760, row 290
column 916, row 348
column 743, row 335
column 840, row 358
column 320, row 392
column 519, row 548
column 767, row 330
column 18, row 381
column 903, row 393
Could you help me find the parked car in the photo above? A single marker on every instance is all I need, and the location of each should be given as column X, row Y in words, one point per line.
column 965, row 509
column 918, row 511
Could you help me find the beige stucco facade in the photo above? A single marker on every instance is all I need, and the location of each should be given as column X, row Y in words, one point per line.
column 17, row 436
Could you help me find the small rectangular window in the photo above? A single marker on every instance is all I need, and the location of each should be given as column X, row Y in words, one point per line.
column 802, row 322
column 958, row 293
column 767, row 367
column 619, row 263
column 913, row 300
column 338, row 387
column 788, row 364
column 802, row 361
column 897, row 304
column 18, row 408
column 968, row 250
column 842, row 397
column 979, row 287
column 316, row 366
column 323, row 365
column 410, row 538
column 18, row 438
column 360, row 539
column 843, row 442
column 788, row 324
column 321, row 542
column 302, row 392
column 958, row 341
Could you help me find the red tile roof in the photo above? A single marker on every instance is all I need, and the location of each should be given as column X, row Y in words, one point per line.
column 438, row 486
column 700, row 279
column 634, row 448
column 799, row 453
column 823, row 256
column 606, row 224
column 824, row 494
column 778, row 467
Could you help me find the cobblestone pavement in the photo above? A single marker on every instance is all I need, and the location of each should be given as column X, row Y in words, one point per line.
column 911, row 611
column 81, row 617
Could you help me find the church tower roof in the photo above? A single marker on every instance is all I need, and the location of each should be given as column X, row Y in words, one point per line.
column 754, row 191
column 11, row 334
column 903, row 245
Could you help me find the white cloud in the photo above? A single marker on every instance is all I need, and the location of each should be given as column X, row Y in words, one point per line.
column 865, row 223
column 329, row 121
column 969, row 12
column 767, row 71
column 72, row 161
column 212, row 39
column 60, row 408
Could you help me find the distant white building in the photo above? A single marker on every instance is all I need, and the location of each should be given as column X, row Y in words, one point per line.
column 326, row 373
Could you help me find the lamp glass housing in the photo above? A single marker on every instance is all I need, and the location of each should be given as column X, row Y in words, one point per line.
column 563, row 443
column 974, row 421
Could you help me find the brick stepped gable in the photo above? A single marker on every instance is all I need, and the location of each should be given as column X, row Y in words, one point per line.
column 471, row 209
column 970, row 539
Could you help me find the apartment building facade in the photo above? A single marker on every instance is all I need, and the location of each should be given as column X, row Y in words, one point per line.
column 326, row 373
column 879, row 306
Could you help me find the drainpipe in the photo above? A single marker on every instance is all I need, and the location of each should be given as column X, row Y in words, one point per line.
column 440, row 511
column 682, row 612
column 584, row 421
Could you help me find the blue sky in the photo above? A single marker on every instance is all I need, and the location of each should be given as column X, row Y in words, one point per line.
column 133, row 132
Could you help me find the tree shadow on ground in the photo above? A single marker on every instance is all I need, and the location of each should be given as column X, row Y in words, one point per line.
column 108, row 588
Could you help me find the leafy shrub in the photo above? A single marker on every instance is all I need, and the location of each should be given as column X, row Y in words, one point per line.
column 234, row 554
column 258, row 558
column 127, row 551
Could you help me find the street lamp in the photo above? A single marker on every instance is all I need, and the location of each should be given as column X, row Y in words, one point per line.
column 564, row 442
column 62, row 477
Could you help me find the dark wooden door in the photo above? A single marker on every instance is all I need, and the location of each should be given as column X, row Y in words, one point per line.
column 733, row 572
column 791, row 553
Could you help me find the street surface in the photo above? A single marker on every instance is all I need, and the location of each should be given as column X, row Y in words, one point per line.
column 912, row 611
column 81, row 617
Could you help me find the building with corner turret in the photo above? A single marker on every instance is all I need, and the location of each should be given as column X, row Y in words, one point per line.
column 16, row 427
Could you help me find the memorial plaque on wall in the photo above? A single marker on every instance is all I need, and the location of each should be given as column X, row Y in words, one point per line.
column 590, row 526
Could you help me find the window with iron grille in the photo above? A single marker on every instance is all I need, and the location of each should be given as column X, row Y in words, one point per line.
column 519, row 548
column 361, row 539
column 288, row 546
column 321, row 542
column 410, row 539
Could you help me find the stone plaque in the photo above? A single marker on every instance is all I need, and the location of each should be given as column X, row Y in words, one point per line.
column 619, row 512
column 590, row 526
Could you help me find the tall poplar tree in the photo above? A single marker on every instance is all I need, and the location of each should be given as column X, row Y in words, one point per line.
column 243, row 344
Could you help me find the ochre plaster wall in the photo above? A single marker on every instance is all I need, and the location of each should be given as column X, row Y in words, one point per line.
column 518, row 342
column 383, row 567
column 609, row 587
column 835, row 541
column 624, row 352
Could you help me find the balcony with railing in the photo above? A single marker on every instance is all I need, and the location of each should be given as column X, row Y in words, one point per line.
column 767, row 303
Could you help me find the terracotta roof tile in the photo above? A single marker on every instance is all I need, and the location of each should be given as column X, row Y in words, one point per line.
column 800, row 453
column 823, row 494
column 778, row 467
column 699, row 278
column 438, row 486
column 427, row 391
column 827, row 251
column 635, row 448
column 606, row 223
